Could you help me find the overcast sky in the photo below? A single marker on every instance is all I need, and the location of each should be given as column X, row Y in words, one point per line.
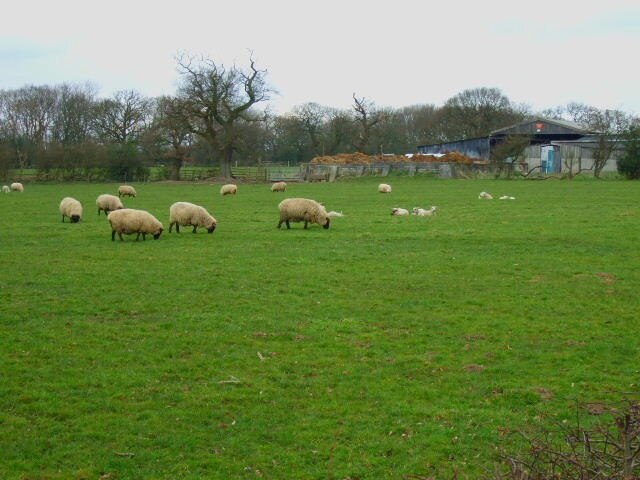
column 398, row 53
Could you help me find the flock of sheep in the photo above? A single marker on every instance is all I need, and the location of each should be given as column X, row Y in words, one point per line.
column 14, row 187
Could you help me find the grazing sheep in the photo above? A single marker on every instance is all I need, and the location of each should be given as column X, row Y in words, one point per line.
column 421, row 212
column 126, row 191
column 507, row 197
column 128, row 221
column 17, row 187
column 485, row 196
column 279, row 187
column 303, row 210
column 72, row 208
column 108, row 203
column 188, row 214
column 384, row 188
column 399, row 211
column 229, row 189
column 5, row 189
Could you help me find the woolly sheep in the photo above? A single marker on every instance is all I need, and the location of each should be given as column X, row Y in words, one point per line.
column 279, row 187
column 72, row 208
column 17, row 187
column 229, row 189
column 303, row 210
column 485, row 195
column 384, row 188
column 399, row 211
column 188, row 214
column 5, row 189
column 421, row 212
column 108, row 203
column 128, row 221
column 126, row 191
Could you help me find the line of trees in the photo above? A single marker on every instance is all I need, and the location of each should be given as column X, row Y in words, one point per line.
column 220, row 115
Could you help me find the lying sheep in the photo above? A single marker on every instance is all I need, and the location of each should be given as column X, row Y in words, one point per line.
column 485, row 196
column 507, row 197
column 188, row 214
column 421, row 212
column 128, row 221
column 229, row 189
column 399, row 211
column 384, row 188
column 71, row 208
column 17, row 187
column 126, row 191
column 5, row 189
column 303, row 210
column 279, row 187
column 107, row 203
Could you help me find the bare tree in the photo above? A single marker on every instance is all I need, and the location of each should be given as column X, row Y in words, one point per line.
column 366, row 117
column 313, row 117
column 218, row 100
column 123, row 118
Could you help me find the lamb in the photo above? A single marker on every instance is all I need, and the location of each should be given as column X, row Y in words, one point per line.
column 17, row 187
column 399, row 211
column 5, row 189
column 188, row 214
column 71, row 208
column 384, row 188
column 485, row 196
column 279, row 187
column 229, row 189
column 421, row 212
column 128, row 221
column 126, row 191
column 108, row 203
column 303, row 209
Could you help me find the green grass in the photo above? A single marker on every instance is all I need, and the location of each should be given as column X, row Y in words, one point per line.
column 383, row 347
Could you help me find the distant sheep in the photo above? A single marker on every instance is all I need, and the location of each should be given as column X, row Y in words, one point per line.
column 421, row 212
column 71, row 208
column 384, row 188
column 188, row 214
column 507, row 197
column 396, row 211
column 129, row 221
column 17, row 187
column 126, row 191
column 229, row 189
column 279, row 187
column 5, row 189
column 485, row 196
column 107, row 203
column 303, row 210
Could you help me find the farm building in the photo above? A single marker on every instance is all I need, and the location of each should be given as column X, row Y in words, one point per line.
column 554, row 146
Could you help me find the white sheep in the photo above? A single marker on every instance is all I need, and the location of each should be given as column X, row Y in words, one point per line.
column 5, row 189
column 188, row 214
column 303, row 210
column 384, row 188
column 126, row 191
column 129, row 220
column 229, row 189
column 71, row 208
column 108, row 203
column 507, row 197
column 17, row 187
column 485, row 196
column 279, row 187
column 399, row 211
column 421, row 212
column 333, row 213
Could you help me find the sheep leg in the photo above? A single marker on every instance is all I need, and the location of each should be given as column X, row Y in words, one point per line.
column 306, row 223
column 113, row 236
column 62, row 218
column 194, row 228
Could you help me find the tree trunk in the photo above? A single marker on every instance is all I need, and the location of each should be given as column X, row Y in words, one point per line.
column 225, row 161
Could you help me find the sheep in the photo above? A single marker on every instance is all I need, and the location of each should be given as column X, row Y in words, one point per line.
column 17, row 187
column 108, row 203
column 128, row 221
column 229, row 189
column 72, row 208
column 507, row 197
column 333, row 213
column 485, row 196
column 186, row 214
column 279, row 187
column 384, row 188
column 303, row 209
column 396, row 211
column 421, row 212
column 5, row 189
column 126, row 191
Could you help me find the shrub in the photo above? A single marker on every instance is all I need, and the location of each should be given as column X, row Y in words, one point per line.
column 629, row 162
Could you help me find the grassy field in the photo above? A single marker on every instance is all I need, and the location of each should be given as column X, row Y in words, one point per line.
column 384, row 347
